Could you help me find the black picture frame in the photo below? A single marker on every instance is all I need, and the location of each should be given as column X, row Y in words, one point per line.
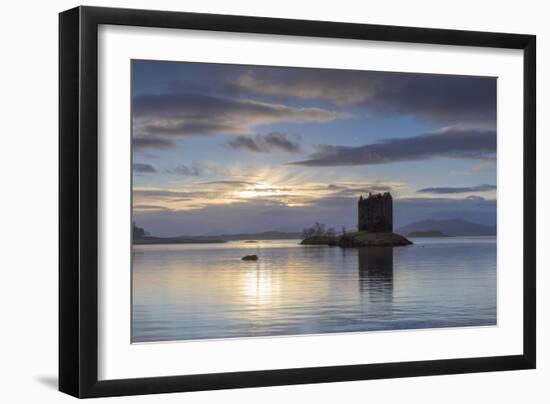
column 78, row 201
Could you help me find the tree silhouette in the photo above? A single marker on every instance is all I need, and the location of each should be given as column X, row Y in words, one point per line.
column 138, row 232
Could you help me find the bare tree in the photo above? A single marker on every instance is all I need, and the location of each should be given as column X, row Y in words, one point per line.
column 318, row 230
column 307, row 232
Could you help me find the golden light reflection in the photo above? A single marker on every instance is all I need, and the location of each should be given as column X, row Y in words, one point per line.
column 260, row 287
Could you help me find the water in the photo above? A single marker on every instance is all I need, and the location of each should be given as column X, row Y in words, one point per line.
column 198, row 291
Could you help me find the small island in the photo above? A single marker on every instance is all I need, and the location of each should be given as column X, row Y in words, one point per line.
column 375, row 227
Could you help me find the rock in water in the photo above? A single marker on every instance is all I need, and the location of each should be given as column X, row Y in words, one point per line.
column 250, row 258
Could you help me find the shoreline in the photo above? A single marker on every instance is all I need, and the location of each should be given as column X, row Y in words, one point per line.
column 252, row 242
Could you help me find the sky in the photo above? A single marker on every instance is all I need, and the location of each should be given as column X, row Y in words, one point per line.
column 224, row 149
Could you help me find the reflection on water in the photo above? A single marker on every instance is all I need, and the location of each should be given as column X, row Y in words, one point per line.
column 198, row 291
column 376, row 273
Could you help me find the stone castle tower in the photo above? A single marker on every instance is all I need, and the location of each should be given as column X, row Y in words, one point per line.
column 376, row 213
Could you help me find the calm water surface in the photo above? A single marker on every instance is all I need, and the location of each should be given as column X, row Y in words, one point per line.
column 197, row 291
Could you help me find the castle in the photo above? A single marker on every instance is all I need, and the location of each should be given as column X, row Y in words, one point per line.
column 375, row 213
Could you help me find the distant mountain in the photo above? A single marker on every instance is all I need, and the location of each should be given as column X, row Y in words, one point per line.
column 428, row 233
column 454, row 227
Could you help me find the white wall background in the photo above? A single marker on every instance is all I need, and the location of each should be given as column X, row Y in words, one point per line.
column 28, row 199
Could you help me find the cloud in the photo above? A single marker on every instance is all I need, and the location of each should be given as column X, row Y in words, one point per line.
column 186, row 170
column 193, row 114
column 292, row 193
column 151, row 142
column 150, row 208
column 165, row 193
column 457, row 190
column 266, row 143
column 246, row 143
column 199, row 169
column 143, row 168
column 354, row 190
column 452, row 142
column 228, row 183
column 282, row 141
column 441, row 98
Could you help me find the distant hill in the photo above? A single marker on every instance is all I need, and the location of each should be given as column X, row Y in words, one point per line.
column 428, row 233
column 174, row 240
column 268, row 235
column 454, row 227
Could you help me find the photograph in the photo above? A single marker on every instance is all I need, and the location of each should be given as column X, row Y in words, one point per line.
column 272, row 201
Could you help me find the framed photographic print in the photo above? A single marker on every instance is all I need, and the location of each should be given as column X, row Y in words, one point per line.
column 251, row 201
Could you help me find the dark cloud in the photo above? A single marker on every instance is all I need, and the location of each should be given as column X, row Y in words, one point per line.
column 186, row 170
column 194, row 114
column 151, row 142
column 453, row 142
column 246, row 143
column 443, row 98
column 143, row 168
column 166, row 194
column 265, row 143
column 282, row 141
column 457, row 190
column 195, row 169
